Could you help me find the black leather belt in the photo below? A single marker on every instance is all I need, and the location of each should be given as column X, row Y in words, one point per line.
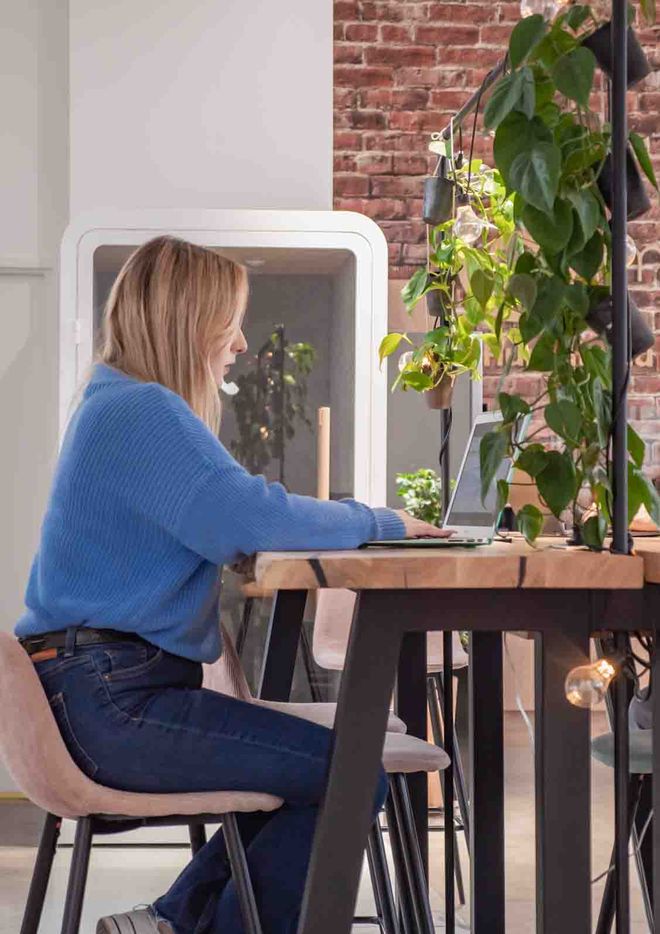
column 47, row 644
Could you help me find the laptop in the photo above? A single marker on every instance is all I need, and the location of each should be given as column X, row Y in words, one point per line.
column 474, row 522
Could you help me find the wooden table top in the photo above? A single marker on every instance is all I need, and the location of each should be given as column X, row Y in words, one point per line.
column 648, row 549
column 509, row 565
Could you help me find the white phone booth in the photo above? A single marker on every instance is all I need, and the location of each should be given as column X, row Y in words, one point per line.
column 322, row 274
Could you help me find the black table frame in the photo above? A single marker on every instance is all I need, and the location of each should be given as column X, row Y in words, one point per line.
column 388, row 644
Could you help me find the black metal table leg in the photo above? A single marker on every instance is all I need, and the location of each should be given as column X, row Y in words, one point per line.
column 486, row 784
column 450, row 833
column 347, row 812
column 285, row 624
column 563, row 778
column 411, row 706
column 653, row 604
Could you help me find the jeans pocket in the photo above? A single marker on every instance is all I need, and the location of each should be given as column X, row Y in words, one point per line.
column 131, row 661
column 82, row 759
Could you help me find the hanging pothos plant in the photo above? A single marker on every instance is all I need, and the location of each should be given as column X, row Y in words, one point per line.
column 551, row 150
column 271, row 401
column 463, row 282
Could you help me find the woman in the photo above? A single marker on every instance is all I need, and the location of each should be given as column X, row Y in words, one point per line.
column 146, row 506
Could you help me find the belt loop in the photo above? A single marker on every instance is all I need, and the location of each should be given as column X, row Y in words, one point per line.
column 70, row 641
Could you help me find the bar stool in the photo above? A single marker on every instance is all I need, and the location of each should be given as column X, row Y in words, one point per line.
column 641, row 769
column 332, row 625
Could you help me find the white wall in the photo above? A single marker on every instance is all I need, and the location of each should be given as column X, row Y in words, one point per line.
column 212, row 103
column 34, row 195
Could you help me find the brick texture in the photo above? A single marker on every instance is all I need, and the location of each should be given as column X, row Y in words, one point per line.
column 402, row 69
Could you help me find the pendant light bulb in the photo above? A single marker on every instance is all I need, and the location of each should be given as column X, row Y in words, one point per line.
column 587, row 685
column 230, row 389
column 468, row 226
column 547, row 8
column 631, row 250
column 405, row 360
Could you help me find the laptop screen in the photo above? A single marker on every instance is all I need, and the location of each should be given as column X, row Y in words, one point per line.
column 466, row 507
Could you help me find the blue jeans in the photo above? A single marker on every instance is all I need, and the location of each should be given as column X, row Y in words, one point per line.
column 136, row 718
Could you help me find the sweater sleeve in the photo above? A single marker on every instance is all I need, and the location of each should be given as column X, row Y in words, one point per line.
column 173, row 470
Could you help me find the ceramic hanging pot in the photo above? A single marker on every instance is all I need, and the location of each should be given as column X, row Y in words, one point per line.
column 440, row 396
column 638, row 200
column 438, row 203
column 642, row 337
column 600, row 43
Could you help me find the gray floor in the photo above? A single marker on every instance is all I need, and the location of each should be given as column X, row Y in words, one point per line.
column 122, row 877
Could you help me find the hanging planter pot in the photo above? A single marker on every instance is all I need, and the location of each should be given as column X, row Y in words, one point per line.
column 638, row 200
column 642, row 338
column 438, row 304
column 440, row 396
column 600, row 43
column 438, row 203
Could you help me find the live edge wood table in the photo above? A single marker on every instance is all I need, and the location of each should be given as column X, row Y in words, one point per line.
column 562, row 595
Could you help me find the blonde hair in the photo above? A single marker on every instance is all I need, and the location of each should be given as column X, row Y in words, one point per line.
column 171, row 308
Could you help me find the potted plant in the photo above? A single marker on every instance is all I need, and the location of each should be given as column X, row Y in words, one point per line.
column 271, row 401
column 421, row 492
column 550, row 148
column 463, row 284
column 600, row 43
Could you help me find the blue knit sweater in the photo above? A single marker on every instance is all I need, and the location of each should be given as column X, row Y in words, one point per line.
column 146, row 504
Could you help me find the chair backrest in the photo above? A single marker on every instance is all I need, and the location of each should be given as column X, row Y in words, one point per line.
column 227, row 675
column 30, row 741
column 332, row 626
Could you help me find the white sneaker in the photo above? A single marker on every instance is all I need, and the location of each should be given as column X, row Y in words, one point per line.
column 141, row 921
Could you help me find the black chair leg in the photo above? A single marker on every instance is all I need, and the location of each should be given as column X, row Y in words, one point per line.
column 241, row 875
column 412, row 859
column 381, row 881
column 75, row 892
column 197, row 834
column 406, row 915
column 308, row 662
column 436, row 712
column 245, row 625
column 608, row 903
column 460, row 784
column 41, row 875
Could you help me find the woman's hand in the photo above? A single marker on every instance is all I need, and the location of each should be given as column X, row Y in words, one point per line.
column 417, row 528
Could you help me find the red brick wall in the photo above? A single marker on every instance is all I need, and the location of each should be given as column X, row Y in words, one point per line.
column 402, row 69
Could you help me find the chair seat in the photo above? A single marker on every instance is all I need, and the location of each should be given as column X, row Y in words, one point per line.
column 640, row 746
column 323, row 713
column 403, row 753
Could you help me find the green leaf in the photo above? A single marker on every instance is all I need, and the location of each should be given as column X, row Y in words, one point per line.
column 587, row 262
column 557, row 481
column 577, row 15
column 587, row 209
column 535, row 174
column 548, row 304
column 414, row 288
column 551, row 231
column 642, row 153
column 513, row 92
column 389, row 344
column 416, row 380
column 529, row 520
column 481, row 284
column 542, row 358
column 555, row 44
column 641, row 492
column 594, row 531
column 514, row 135
column 512, row 406
column 526, row 263
column 492, row 451
column 648, row 10
column 525, row 36
column 575, row 296
column 573, row 74
column 502, row 495
column 531, row 460
column 565, row 419
column 636, row 447
column 522, row 288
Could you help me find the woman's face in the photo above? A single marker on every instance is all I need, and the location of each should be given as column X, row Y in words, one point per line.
column 223, row 358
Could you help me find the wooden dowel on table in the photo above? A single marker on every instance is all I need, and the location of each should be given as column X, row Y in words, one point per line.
column 323, row 453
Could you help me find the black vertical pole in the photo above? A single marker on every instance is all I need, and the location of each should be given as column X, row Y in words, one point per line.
column 620, row 367
column 280, row 400
column 445, row 467
column 620, row 339
column 448, row 785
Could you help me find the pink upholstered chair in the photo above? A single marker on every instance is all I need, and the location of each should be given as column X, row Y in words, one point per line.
column 43, row 770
